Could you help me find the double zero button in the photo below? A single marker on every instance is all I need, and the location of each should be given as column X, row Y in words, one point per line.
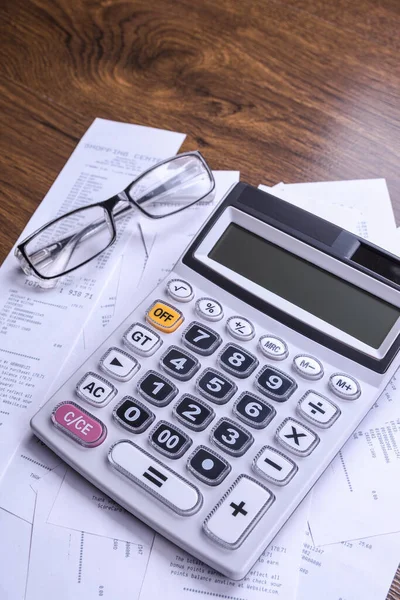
column 169, row 440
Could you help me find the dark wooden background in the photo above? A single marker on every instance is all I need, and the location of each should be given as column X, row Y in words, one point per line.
column 284, row 90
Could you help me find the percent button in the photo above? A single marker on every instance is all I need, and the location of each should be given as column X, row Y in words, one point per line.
column 209, row 309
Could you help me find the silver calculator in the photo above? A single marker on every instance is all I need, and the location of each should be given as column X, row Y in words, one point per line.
column 212, row 410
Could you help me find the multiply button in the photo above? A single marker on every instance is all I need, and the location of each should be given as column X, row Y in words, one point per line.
column 296, row 437
column 238, row 512
column 78, row 424
column 95, row 390
column 155, row 477
column 318, row 410
column 164, row 317
column 273, row 347
column 344, row 386
column 142, row 339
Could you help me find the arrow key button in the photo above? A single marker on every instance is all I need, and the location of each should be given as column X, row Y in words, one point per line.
column 119, row 364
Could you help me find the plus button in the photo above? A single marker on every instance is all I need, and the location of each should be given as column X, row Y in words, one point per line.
column 238, row 509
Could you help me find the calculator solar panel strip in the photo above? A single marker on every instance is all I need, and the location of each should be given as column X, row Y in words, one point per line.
column 331, row 302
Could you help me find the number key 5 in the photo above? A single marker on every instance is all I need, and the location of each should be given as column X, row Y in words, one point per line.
column 215, row 387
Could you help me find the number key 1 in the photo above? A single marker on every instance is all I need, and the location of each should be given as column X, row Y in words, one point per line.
column 156, row 388
column 193, row 413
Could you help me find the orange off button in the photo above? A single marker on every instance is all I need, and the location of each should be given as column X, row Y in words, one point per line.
column 164, row 317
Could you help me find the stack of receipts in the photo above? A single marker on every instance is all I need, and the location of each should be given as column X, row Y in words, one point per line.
column 62, row 538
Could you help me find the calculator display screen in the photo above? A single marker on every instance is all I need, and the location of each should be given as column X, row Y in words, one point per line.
column 328, row 297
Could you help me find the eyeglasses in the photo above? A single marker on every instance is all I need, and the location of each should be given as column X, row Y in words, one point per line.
column 71, row 241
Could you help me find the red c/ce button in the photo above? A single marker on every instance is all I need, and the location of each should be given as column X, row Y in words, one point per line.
column 78, row 424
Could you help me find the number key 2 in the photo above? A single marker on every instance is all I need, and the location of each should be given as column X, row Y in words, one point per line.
column 169, row 440
column 201, row 339
column 215, row 387
column 231, row 437
column 193, row 413
column 179, row 364
column 275, row 384
column 237, row 361
column 156, row 388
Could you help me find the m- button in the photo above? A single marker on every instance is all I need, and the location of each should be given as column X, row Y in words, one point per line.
column 164, row 317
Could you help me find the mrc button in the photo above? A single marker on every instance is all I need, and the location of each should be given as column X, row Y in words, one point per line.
column 164, row 317
column 78, row 424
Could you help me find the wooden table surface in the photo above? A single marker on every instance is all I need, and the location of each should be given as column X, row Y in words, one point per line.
column 282, row 90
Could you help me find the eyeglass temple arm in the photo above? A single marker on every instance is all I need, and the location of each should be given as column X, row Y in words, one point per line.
column 47, row 252
column 165, row 187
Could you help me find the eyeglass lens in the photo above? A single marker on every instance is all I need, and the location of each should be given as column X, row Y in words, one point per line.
column 70, row 241
column 172, row 186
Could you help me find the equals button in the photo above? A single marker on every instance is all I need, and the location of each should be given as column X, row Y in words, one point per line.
column 155, row 476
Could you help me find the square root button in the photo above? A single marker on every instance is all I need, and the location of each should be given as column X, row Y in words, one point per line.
column 238, row 512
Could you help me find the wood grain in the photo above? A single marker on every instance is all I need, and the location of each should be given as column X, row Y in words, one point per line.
column 284, row 90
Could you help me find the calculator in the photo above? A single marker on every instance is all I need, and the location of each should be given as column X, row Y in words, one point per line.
column 212, row 410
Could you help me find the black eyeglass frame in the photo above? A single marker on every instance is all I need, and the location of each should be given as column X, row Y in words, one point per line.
column 108, row 205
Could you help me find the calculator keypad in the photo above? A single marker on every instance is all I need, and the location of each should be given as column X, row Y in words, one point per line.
column 133, row 415
column 231, row 437
column 236, row 361
column 156, row 388
column 193, row 412
column 169, row 440
column 179, row 364
column 253, row 411
column 208, row 466
column 275, row 384
column 201, row 339
column 215, row 387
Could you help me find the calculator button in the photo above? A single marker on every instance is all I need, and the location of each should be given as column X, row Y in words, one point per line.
column 237, row 361
column 164, row 317
column 133, row 415
column 231, row 437
column 308, row 367
column 238, row 512
column 119, row 364
column 156, row 388
column 240, row 328
column 95, row 390
column 215, row 387
column 193, row 413
column 209, row 309
column 156, row 478
column 253, row 411
column 179, row 364
column 180, row 290
column 318, row 410
column 79, row 425
column 296, row 437
column 208, row 466
column 274, row 466
column 273, row 347
column 344, row 386
column 201, row 339
column 275, row 384
column 169, row 440
column 142, row 339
